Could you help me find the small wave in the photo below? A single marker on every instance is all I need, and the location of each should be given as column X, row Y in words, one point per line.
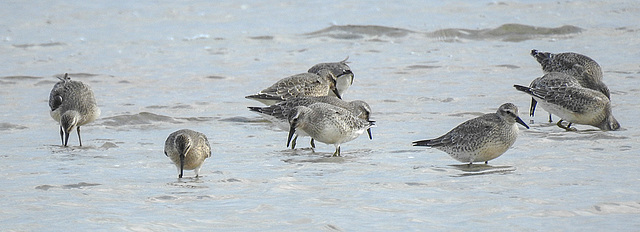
column 511, row 32
column 142, row 118
column 264, row 37
column 197, row 119
column 72, row 75
column 464, row 114
column 507, row 32
column 359, row 32
column 215, row 77
column 146, row 119
column 584, row 135
column 39, row 45
column 9, row 126
column 617, row 208
column 244, row 119
column 197, row 37
column 436, row 99
column 108, row 145
column 21, row 78
column 508, row 66
column 79, row 185
column 423, row 66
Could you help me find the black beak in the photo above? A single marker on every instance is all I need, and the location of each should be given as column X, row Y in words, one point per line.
column 335, row 91
column 292, row 130
column 66, row 138
column 518, row 120
column 181, row 165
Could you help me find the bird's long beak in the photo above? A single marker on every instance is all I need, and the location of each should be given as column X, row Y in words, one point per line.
column 334, row 80
column 181, row 165
column 292, row 130
column 66, row 138
column 519, row 120
column 335, row 91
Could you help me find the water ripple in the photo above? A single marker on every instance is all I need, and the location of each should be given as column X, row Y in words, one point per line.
column 510, row 32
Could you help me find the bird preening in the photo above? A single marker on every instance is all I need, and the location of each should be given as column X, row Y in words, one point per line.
column 72, row 105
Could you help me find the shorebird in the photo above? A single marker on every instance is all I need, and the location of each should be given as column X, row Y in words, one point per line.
column 187, row 149
column 279, row 112
column 584, row 69
column 303, row 84
column 562, row 95
column 323, row 79
column 342, row 72
column 326, row 123
column 480, row 139
column 72, row 105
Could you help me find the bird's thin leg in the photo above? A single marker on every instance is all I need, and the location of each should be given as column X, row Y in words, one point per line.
column 61, row 135
column 568, row 127
column 313, row 144
column 337, row 153
column 293, row 143
column 80, row 140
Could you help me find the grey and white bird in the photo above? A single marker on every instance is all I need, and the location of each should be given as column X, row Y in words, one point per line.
column 73, row 104
column 584, row 69
column 188, row 150
column 562, row 95
column 327, row 123
column 279, row 112
column 304, row 84
column 324, row 79
column 480, row 139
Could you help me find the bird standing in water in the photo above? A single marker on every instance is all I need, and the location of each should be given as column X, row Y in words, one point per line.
column 72, row 105
column 187, row 149
column 480, row 139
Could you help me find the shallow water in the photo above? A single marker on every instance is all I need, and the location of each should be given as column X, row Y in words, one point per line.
column 423, row 67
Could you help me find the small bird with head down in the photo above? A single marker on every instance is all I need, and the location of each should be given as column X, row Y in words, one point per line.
column 188, row 150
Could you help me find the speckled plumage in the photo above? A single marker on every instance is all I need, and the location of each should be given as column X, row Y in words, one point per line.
column 279, row 112
column 324, row 79
column 188, row 150
column 327, row 123
column 303, row 84
column 72, row 105
column 585, row 70
column 480, row 139
column 560, row 94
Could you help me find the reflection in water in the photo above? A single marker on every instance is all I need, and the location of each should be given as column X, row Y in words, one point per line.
column 323, row 159
column 189, row 182
column 481, row 169
column 309, row 155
